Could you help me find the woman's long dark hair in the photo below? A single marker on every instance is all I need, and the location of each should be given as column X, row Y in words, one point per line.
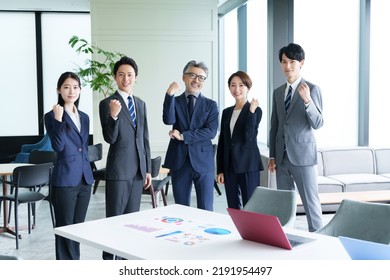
column 61, row 81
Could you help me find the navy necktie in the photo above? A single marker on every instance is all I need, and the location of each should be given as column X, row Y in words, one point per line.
column 190, row 104
column 287, row 101
column 132, row 110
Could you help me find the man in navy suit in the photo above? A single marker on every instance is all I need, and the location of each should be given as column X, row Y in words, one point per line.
column 190, row 155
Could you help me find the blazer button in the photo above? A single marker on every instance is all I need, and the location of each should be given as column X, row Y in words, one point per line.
column 80, row 149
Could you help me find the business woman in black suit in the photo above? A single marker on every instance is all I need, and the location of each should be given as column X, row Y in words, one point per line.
column 68, row 129
column 238, row 156
column 124, row 123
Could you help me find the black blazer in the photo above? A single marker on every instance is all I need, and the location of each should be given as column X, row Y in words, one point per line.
column 240, row 148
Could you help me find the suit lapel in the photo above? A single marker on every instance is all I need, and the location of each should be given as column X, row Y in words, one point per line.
column 229, row 114
column 293, row 101
column 70, row 122
column 240, row 120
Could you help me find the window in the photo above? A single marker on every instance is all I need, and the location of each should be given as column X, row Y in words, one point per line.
column 18, row 74
column 330, row 39
column 58, row 56
column 258, row 60
column 230, row 46
column 379, row 74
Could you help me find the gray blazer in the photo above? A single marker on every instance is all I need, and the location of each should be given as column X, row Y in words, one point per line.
column 294, row 129
column 129, row 147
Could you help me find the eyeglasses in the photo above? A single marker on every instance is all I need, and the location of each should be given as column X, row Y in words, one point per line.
column 194, row 76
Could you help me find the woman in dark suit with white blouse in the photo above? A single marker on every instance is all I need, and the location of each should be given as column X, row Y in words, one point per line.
column 238, row 156
column 68, row 129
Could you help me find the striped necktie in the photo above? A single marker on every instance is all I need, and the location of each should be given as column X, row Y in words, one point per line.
column 287, row 101
column 132, row 110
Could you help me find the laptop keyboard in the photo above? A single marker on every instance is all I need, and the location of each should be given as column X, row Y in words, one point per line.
column 294, row 242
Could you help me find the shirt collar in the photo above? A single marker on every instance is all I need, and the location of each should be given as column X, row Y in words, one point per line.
column 294, row 85
column 194, row 94
column 125, row 94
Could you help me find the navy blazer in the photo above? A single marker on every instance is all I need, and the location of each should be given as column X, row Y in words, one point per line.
column 72, row 150
column 240, row 148
column 197, row 132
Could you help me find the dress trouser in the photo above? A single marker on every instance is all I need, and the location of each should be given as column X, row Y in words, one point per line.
column 122, row 197
column 182, row 181
column 239, row 187
column 70, row 207
column 305, row 178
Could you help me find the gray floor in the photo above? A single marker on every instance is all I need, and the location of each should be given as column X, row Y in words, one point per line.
column 39, row 245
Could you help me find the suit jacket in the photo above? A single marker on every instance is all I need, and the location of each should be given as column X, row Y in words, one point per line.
column 72, row 150
column 129, row 150
column 197, row 132
column 240, row 148
column 294, row 129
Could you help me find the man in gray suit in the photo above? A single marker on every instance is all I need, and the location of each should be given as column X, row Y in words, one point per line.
column 296, row 112
column 125, row 128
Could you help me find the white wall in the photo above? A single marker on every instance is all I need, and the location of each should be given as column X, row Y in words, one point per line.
column 161, row 36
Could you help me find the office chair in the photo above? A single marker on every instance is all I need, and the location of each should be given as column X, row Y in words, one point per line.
column 280, row 203
column 43, row 145
column 361, row 220
column 27, row 182
column 95, row 153
column 38, row 157
column 9, row 258
column 157, row 184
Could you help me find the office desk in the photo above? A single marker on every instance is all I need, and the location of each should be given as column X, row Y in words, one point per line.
column 133, row 236
column 7, row 169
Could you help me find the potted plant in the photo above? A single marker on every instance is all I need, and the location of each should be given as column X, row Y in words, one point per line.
column 97, row 73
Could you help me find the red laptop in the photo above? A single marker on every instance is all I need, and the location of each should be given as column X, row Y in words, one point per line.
column 265, row 229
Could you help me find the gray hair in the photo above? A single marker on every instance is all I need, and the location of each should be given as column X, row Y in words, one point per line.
column 196, row 64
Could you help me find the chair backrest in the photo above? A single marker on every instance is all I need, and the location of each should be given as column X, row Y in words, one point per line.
column 9, row 257
column 156, row 165
column 95, row 152
column 32, row 175
column 280, row 203
column 361, row 220
column 37, row 157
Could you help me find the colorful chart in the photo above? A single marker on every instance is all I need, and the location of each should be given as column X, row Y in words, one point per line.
column 170, row 220
column 217, row 231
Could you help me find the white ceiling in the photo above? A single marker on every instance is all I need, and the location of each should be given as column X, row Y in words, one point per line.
column 45, row 5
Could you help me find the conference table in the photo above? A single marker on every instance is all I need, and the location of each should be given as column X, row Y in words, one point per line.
column 6, row 170
column 178, row 232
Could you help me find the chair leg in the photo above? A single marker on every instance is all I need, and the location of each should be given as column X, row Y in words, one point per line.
column 16, row 225
column 33, row 211
column 216, row 187
column 29, row 206
column 52, row 214
column 95, row 186
column 166, row 188
column 163, row 197
column 11, row 191
column 153, row 197
column 48, row 199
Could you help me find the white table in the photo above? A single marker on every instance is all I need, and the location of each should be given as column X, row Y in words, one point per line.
column 111, row 235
